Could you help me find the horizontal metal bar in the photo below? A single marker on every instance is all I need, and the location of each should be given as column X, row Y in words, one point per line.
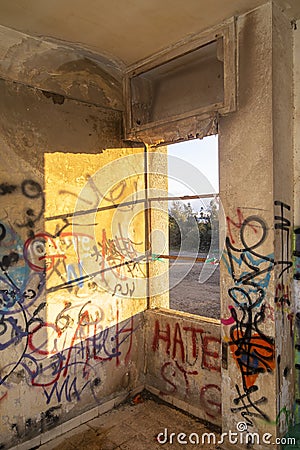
column 129, row 203
column 186, row 258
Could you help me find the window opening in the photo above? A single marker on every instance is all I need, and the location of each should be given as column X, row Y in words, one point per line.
column 193, row 229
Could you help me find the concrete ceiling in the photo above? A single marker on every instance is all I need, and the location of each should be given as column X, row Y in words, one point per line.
column 126, row 30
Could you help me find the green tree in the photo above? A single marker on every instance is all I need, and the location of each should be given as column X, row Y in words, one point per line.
column 190, row 230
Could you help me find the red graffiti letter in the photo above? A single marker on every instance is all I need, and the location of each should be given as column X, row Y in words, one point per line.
column 178, row 340
column 207, row 355
column 161, row 335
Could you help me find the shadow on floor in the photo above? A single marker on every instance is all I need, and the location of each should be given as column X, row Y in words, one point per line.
column 137, row 426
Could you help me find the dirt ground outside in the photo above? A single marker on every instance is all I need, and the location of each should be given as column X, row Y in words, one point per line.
column 189, row 295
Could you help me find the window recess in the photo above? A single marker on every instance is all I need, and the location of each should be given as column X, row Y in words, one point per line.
column 195, row 78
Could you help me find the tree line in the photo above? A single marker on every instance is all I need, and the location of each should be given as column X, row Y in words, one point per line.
column 189, row 230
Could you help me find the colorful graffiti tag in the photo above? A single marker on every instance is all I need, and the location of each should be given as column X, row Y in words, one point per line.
column 250, row 269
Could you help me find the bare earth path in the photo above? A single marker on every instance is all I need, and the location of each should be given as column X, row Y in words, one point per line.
column 191, row 296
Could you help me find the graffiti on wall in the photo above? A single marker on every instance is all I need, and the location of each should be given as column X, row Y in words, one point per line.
column 284, row 264
column 250, row 269
column 44, row 348
column 62, row 289
column 186, row 350
column 296, row 276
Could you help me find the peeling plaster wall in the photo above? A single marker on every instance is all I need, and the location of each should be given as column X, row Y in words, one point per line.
column 33, row 123
column 57, row 68
column 183, row 362
column 69, row 343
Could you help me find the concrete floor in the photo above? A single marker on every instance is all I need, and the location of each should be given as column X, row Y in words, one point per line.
column 135, row 427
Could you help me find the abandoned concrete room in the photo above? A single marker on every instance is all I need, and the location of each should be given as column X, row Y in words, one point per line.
column 150, row 224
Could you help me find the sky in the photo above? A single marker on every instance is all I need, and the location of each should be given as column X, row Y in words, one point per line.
column 202, row 155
